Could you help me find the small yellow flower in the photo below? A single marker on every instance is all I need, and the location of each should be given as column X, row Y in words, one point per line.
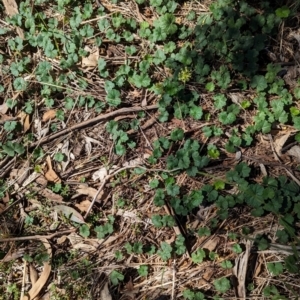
column 185, row 75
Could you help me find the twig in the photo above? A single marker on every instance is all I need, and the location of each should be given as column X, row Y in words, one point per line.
column 92, row 121
column 37, row 237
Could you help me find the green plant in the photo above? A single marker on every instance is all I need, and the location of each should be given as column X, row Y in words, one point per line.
column 222, row 285
column 165, row 251
column 105, row 229
column 116, row 277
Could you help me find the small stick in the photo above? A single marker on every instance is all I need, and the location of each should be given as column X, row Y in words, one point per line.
column 93, row 121
column 37, row 237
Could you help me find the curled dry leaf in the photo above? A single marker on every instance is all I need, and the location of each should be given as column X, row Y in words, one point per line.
column 24, row 119
column 83, row 205
column 33, row 274
column 211, row 244
column 100, row 174
column 92, row 59
column 49, row 115
column 39, row 284
column 280, row 141
column 88, row 191
column 50, row 174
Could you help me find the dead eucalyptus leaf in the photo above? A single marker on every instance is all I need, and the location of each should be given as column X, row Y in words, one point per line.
column 46, row 193
column 24, row 119
column 83, row 205
column 92, row 59
column 39, row 284
column 295, row 152
column 70, row 212
column 11, row 8
column 280, row 141
column 33, row 274
column 50, row 175
column 3, row 108
column 49, row 115
column 105, row 294
column 211, row 244
column 88, row 191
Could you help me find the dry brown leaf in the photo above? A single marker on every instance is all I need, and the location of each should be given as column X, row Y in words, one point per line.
column 48, row 194
column 83, row 205
column 88, row 191
column 21, row 174
column 33, row 274
column 24, row 119
column 49, row 115
column 295, row 152
column 240, row 270
column 11, row 8
column 50, row 174
column 105, row 294
column 3, row 108
column 92, row 59
column 211, row 244
column 36, row 288
column 280, row 141
column 61, row 240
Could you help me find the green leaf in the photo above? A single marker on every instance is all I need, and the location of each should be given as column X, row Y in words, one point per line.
column 137, row 248
column 283, row 12
column 20, row 84
column 10, row 125
column 219, row 185
column 196, row 112
column 59, row 157
column 159, row 197
column 154, row 183
column 198, row 256
column 204, row 231
column 113, row 97
column 190, row 295
column 275, row 268
column 226, row 264
column 172, row 190
column 222, row 285
column 220, row 101
column 167, row 23
column 116, row 277
column 297, row 93
column 60, row 115
column 84, row 230
column 143, row 271
column 210, row 87
column 165, row 251
column 180, row 244
column 237, row 248
column 177, row 134
column 8, row 148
